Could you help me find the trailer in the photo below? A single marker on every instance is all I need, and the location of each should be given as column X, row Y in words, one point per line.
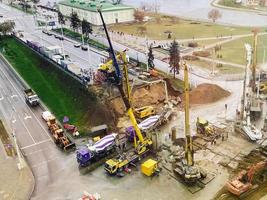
column 60, row 138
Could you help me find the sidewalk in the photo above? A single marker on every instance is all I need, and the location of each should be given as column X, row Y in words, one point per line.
column 14, row 184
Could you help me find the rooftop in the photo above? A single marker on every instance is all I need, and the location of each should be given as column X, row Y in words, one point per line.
column 92, row 5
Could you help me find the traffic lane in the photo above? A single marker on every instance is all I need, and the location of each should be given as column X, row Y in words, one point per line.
column 23, row 112
column 10, row 112
column 43, row 156
column 86, row 59
column 15, row 123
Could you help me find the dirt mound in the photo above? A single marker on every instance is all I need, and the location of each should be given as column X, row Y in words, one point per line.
column 142, row 96
column 207, row 93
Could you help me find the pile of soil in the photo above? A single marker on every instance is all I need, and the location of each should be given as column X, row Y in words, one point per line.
column 142, row 96
column 207, row 93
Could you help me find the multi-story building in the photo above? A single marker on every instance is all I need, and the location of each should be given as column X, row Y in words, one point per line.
column 112, row 13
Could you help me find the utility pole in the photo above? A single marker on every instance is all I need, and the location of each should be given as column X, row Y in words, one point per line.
column 254, row 62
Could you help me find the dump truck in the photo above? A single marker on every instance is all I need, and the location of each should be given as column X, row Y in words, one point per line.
column 97, row 151
column 31, row 97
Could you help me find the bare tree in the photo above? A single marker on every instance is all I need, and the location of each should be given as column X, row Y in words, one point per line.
column 139, row 15
column 156, row 6
column 174, row 58
column 7, row 27
column 214, row 14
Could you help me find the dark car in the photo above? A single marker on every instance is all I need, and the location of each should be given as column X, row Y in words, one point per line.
column 84, row 47
column 60, row 38
column 49, row 33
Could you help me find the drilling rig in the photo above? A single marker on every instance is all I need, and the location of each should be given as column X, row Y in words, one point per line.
column 185, row 167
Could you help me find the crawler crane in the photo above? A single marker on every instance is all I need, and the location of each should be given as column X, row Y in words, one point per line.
column 141, row 146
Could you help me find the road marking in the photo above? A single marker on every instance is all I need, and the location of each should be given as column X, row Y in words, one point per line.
column 2, row 96
column 13, row 96
column 27, row 116
column 37, row 143
column 22, row 98
column 28, row 131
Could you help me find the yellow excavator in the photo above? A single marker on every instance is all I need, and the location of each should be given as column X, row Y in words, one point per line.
column 204, row 127
column 141, row 143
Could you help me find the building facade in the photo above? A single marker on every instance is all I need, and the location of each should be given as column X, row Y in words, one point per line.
column 112, row 13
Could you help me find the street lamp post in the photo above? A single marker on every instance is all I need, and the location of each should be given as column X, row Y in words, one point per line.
column 89, row 58
column 20, row 163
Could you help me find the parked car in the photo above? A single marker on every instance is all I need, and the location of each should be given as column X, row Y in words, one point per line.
column 77, row 45
column 44, row 31
column 60, row 38
column 84, row 47
column 49, row 33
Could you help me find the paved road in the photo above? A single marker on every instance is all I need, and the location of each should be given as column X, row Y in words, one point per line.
column 32, row 135
column 198, row 9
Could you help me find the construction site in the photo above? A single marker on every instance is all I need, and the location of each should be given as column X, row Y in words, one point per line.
column 193, row 138
column 144, row 134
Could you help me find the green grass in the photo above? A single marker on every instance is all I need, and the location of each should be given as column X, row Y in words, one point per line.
column 181, row 29
column 225, row 69
column 61, row 93
column 230, row 3
column 77, row 36
column 235, row 52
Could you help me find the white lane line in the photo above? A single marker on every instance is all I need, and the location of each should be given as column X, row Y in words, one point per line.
column 28, row 131
column 13, row 96
column 1, row 97
column 37, row 143
column 26, row 116
column 34, row 152
column 22, row 98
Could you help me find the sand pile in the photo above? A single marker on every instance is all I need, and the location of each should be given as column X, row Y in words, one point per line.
column 144, row 96
column 207, row 93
